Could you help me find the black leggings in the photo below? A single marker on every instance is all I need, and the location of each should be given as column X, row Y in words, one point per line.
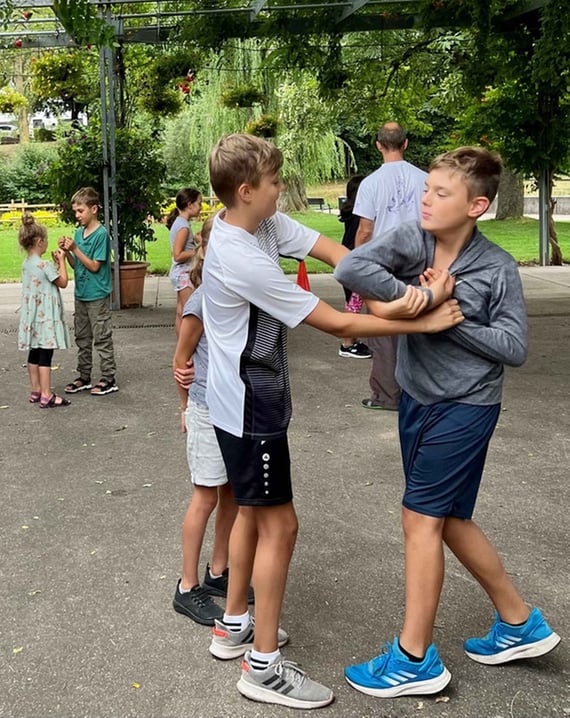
column 40, row 356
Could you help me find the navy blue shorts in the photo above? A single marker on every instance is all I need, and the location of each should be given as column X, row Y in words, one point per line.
column 259, row 471
column 444, row 447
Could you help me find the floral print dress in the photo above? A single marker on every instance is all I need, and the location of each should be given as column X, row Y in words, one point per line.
column 42, row 323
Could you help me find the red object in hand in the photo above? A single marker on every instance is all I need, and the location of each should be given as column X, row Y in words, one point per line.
column 303, row 277
column 18, row 43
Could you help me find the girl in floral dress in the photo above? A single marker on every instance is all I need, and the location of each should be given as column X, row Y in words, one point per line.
column 42, row 326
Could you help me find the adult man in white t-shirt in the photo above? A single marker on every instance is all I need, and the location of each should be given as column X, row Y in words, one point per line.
column 389, row 196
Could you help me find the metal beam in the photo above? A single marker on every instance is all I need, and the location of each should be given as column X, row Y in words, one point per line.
column 256, row 8
column 351, row 9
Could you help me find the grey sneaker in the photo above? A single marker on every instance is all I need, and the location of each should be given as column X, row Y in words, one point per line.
column 197, row 605
column 219, row 586
column 283, row 683
column 228, row 644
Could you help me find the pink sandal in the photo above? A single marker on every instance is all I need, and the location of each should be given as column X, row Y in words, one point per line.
column 53, row 401
column 34, row 397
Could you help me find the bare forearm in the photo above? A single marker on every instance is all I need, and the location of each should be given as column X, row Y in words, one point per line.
column 328, row 251
column 182, row 257
column 91, row 264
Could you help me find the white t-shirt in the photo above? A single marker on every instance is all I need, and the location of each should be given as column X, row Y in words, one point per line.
column 248, row 305
column 391, row 195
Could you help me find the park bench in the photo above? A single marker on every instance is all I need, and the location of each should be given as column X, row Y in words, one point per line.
column 318, row 202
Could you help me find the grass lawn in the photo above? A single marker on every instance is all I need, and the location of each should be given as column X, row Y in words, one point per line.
column 519, row 237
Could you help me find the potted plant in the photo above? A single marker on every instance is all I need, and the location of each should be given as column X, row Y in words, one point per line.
column 140, row 172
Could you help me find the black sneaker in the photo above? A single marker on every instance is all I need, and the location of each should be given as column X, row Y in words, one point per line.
column 358, row 350
column 197, row 605
column 219, row 586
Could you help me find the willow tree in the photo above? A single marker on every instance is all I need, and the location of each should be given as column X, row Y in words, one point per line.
column 239, row 88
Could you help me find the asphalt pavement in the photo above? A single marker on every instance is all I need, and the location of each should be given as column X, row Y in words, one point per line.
column 93, row 496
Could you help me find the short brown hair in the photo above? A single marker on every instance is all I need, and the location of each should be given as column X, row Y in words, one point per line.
column 239, row 158
column 480, row 169
column 87, row 196
column 392, row 136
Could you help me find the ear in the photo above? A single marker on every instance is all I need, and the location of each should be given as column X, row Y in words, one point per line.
column 243, row 193
column 405, row 145
column 479, row 205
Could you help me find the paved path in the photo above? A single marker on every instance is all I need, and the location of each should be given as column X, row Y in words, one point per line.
column 93, row 496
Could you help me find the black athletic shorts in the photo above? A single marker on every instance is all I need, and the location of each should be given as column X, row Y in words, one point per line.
column 259, row 470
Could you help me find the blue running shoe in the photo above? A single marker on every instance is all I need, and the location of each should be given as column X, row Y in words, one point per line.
column 392, row 674
column 506, row 643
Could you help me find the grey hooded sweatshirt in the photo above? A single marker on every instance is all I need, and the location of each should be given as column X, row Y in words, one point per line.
column 465, row 363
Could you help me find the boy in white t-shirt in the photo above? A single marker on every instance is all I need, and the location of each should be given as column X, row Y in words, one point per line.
column 248, row 305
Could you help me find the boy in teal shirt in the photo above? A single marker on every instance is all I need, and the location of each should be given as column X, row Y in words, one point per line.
column 89, row 253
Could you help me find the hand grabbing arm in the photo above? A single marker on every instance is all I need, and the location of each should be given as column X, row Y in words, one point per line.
column 439, row 282
column 410, row 305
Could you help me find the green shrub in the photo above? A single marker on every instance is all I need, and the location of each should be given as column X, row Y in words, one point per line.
column 23, row 175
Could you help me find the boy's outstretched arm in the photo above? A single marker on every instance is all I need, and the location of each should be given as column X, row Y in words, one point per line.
column 383, row 268
column 328, row 251
column 342, row 324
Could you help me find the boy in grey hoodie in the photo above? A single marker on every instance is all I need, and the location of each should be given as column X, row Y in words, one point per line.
column 452, row 383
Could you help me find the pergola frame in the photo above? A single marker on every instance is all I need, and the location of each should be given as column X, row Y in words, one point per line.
column 351, row 16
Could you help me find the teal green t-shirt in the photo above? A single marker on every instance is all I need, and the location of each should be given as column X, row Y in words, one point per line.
column 93, row 285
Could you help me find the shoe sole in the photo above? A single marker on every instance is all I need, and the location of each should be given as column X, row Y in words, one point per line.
column 530, row 650
column 226, row 653
column 110, row 390
column 417, row 688
column 376, row 408
column 78, row 389
column 354, row 356
column 265, row 695
column 179, row 608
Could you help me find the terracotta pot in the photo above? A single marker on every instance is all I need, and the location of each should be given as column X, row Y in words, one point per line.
column 131, row 284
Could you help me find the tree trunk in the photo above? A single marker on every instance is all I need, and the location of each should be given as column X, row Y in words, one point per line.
column 22, row 113
column 294, row 196
column 555, row 251
column 510, row 200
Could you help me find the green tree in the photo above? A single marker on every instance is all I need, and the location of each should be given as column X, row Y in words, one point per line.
column 68, row 79
column 523, row 109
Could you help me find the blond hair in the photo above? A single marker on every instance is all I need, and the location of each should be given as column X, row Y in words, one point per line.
column 200, row 252
column 87, row 196
column 241, row 159
column 30, row 232
column 479, row 168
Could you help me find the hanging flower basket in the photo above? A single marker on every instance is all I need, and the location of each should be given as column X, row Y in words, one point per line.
column 242, row 96
column 265, row 126
column 11, row 101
